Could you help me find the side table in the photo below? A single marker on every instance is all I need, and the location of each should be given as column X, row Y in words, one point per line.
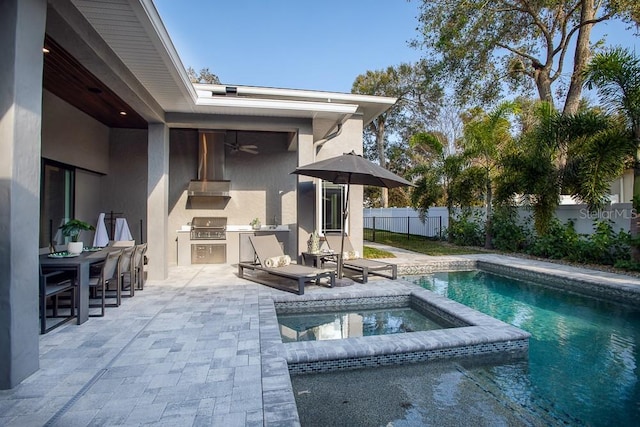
column 316, row 259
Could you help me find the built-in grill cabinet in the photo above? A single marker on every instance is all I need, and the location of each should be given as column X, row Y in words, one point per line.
column 204, row 253
column 208, row 228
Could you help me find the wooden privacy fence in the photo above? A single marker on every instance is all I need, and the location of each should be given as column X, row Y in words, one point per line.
column 378, row 227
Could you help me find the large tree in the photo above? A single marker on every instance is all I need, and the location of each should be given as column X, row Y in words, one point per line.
column 203, row 76
column 419, row 97
column 480, row 43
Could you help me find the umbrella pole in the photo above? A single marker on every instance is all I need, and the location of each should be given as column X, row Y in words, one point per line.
column 345, row 213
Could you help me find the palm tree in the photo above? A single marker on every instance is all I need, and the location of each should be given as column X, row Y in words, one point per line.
column 440, row 177
column 576, row 154
column 485, row 135
column 616, row 76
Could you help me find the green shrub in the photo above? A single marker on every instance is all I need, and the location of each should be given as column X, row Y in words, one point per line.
column 627, row 264
column 561, row 241
column 508, row 234
column 604, row 246
column 466, row 230
column 557, row 243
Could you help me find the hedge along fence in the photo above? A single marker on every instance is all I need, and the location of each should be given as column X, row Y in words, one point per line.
column 620, row 214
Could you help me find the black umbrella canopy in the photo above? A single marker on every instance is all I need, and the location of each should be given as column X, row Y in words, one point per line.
column 351, row 168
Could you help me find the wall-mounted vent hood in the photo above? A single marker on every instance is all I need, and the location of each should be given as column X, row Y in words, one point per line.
column 210, row 182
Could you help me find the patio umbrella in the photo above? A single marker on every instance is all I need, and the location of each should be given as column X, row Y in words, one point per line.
column 351, row 168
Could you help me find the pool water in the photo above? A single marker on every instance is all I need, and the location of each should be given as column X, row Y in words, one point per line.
column 583, row 366
column 349, row 323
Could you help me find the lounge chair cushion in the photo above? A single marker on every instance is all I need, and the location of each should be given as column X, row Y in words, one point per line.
column 277, row 261
column 347, row 256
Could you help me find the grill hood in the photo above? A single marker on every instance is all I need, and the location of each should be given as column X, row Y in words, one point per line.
column 211, row 159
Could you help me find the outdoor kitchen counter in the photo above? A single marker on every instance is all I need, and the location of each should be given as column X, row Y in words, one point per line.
column 237, row 244
column 263, row 228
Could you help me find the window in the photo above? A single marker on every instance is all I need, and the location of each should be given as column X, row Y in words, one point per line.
column 332, row 202
column 56, row 200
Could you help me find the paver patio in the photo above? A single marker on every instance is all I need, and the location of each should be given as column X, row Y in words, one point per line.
column 189, row 350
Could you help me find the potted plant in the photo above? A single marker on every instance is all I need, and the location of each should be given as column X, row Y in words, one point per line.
column 256, row 224
column 72, row 230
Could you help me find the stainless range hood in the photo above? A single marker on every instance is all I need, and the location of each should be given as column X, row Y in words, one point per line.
column 211, row 159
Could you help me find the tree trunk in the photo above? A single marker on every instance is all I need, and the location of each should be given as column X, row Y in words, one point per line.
column 449, row 221
column 634, row 228
column 487, row 225
column 580, row 59
column 381, row 156
column 543, row 84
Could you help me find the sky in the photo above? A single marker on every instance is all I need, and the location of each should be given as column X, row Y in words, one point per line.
column 304, row 44
column 298, row 44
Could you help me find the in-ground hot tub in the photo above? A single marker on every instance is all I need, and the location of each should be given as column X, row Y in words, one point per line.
column 465, row 332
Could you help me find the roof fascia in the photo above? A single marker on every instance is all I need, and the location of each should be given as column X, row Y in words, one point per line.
column 277, row 104
column 160, row 37
column 298, row 93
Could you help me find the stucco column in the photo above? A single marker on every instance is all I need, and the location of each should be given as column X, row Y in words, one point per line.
column 306, row 201
column 22, row 24
column 158, row 201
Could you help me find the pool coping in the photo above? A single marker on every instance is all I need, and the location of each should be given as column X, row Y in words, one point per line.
column 474, row 334
column 617, row 290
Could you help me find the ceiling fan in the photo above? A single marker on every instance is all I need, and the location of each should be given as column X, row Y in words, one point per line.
column 231, row 141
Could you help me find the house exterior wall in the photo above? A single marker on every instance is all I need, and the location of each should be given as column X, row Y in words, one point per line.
column 113, row 162
column 621, row 189
column 124, row 188
column 158, row 200
column 21, row 33
column 307, row 190
column 85, row 144
column 261, row 186
column 350, row 138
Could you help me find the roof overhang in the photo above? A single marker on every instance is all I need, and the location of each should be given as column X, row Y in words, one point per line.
column 134, row 32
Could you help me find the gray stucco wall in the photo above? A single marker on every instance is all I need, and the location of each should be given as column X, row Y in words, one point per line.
column 261, row 185
column 350, row 138
column 21, row 34
column 124, row 188
column 71, row 136
column 113, row 161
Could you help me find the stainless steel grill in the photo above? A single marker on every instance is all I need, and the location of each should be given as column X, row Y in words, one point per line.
column 208, row 228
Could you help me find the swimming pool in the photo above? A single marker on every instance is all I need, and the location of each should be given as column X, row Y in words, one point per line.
column 583, row 352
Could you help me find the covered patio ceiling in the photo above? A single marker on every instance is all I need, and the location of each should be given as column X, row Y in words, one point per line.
column 66, row 78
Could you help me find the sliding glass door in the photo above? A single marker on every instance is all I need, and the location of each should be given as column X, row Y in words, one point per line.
column 56, row 201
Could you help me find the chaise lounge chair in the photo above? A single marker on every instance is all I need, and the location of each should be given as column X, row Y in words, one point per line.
column 272, row 260
column 361, row 266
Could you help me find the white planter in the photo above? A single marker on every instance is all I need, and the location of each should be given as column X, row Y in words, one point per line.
column 75, row 247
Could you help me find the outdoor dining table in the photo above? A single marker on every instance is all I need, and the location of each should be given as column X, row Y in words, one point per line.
column 81, row 264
